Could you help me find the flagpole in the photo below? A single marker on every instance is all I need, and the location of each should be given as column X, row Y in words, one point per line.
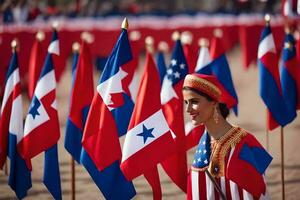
column 72, row 178
column 282, row 163
column 75, row 48
column 267, row 131
column 217, row 187
column 5, row 168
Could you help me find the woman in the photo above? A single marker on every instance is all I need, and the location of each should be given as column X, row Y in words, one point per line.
column 229, row 162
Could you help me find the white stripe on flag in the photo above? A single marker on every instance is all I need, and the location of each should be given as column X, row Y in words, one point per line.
column 234, row 190
column 11, row 82
column 230, row 155
column 134, row 143
column 54, row 47
column 266, row 45
column 46, row 84
column 223, row 185
column 112, row 85
column 210, row 190
column 203, row 59
column 247, row 195
column 16, row 118
column 167, row 91
column 195, row 185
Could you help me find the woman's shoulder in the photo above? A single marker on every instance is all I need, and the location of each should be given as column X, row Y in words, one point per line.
column 249, row 138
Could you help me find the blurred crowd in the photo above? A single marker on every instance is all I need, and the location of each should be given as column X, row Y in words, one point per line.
column 20, row 11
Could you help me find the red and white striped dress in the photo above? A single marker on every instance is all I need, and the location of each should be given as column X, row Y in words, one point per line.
column 201, row 187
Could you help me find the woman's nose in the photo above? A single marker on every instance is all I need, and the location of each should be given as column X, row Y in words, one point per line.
column 188, row 108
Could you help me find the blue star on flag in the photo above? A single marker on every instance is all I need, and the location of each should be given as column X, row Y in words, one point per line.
column 146, row 133
column 35, row 104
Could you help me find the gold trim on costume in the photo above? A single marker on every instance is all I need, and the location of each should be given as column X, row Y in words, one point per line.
column 202, row 85
column 220, row 148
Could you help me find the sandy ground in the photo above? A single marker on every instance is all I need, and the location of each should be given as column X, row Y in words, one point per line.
column 251, row 117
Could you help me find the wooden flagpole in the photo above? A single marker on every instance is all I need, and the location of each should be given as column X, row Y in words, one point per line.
column 72, row 178
column 5, row 168
column 267, row 132
column 282, row 163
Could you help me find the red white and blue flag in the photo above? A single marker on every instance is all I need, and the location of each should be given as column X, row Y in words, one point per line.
column 11, row 131
column 107, row 120
column 220, row 68
column 36, row 60
column 269, row 81
column 289, row 75
column 41, row 131
column 79, row 104
column 149, row 140
column 172, row 102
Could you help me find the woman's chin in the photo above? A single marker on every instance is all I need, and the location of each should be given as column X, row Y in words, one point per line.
column 196, row 122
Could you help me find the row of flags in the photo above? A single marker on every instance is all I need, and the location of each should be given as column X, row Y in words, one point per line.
column 279, row 84
column 151, row 122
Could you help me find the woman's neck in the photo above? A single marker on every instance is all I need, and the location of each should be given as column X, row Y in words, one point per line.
column 217, row 130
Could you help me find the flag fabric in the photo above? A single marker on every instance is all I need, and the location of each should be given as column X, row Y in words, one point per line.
column 107, row 120
column 79, row 104
column 220, row 68
column 36, row 60
column 11, row 130
column 269, row 81
column 172, row 101
column 289, row 76
column 149, row 140
column 41, row 130
column 161, row 65
column 244, row 161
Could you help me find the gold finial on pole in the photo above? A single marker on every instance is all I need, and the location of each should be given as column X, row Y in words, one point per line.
column 149, row 41
column 186, row 37
column 267, row 19
column 175, row 36
column 87, row 36
column 55, row 25
column 125, row 23
column 218, row 33
column 40, row 36
column 14, row 45
column 134, row 35
column 203, row 42
column 76, row 47
column 163, row 46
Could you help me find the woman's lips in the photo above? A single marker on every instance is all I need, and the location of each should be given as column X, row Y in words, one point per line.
column 193, row 116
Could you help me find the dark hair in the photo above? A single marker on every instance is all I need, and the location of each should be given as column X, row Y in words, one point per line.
column 222, row 106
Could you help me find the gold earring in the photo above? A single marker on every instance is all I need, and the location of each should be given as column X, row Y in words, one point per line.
column 216, row 115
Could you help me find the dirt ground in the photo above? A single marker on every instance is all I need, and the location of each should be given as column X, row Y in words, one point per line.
column 252, row 117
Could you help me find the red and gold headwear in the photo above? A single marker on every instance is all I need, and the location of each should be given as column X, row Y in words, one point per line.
column 204, row 83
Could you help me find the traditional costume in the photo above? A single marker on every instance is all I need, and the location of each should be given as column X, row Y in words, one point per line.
column 233, row 164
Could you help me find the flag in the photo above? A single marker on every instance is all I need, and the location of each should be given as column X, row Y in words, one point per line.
column 161, row 65
column 107, row 120
column 36, row 60
column 79, row 104
column 289, row 76
column 11, row 130
column 172, row 101
column 148, row 140
column 269, row 81
column 220, row 68
column 247, row 166
column 41, row 130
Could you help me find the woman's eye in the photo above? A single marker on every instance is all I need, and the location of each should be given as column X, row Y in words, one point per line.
column 194, row 102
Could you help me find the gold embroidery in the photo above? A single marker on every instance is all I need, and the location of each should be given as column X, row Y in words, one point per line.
column 202, row 85
column 220, row 149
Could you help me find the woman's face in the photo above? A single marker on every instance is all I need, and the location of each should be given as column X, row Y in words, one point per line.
column 198, row 107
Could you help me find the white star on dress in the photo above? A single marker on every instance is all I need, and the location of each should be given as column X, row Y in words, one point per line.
column 177, row 74
column 173, row 62
column 182, row 65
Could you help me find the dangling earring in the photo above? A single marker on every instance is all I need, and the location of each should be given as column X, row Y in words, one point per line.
column 216, row 115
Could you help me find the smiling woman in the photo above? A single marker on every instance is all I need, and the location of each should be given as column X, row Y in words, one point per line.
column 229, row 162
